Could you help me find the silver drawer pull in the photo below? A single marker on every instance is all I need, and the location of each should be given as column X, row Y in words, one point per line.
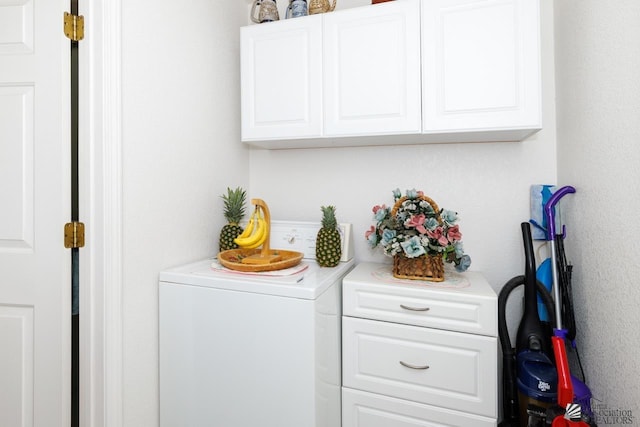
column 409, row 365
column 406, row 307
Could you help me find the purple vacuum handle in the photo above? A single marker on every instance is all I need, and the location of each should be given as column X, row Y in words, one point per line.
column 548, row 209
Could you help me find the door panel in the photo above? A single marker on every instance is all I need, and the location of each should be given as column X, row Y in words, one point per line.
column 16, row 167
column 16, row 26
column 16, row 366
column 35, row 194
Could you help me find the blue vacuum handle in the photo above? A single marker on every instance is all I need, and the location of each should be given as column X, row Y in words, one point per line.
column 550, row 213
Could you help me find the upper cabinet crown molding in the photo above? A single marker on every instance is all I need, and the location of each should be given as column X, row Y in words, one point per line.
column 399, row 72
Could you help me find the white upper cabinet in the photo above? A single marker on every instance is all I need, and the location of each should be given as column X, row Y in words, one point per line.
column 372, row 70
column 399, row 72
column 281, row 93
column 481, row 68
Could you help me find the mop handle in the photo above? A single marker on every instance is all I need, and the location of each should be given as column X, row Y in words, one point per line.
column 551, row 233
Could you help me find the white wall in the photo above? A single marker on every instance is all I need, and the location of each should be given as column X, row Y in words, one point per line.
column 598, row 91
column 181, row 150
column 488, row 184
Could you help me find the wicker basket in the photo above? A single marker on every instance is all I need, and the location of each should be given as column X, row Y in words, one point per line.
column 424, row 267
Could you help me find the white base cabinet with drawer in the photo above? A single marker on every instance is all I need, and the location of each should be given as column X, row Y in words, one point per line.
column 418, row 353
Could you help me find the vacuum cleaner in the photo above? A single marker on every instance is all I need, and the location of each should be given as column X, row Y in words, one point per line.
column 573, row 404
column 529, row 378
column 538, row 389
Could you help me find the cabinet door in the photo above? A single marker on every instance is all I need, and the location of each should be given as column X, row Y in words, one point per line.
column 372, row 70
column 281, row 73
column 481, row 65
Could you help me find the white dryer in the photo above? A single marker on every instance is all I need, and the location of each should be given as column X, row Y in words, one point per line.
column 245, row 350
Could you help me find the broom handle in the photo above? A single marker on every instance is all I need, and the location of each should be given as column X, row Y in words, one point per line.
column 556, row 288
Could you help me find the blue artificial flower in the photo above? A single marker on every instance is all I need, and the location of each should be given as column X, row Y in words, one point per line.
column 412, row 247
column 372, row 239
column 380, row 214
column 448, row 216
column 397, row 194
column 387, row 236
column 457, row 246
column 465, row 262
column 431, row 223
column 412, row 194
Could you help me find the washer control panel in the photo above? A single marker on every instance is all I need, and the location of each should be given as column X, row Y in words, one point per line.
column 300, row 236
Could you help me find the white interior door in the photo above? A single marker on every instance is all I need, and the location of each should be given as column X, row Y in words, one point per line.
column 34, row 205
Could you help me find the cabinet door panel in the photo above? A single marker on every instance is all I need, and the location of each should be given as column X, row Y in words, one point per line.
column 481, row 65
column 372, row 63
column 281, row 88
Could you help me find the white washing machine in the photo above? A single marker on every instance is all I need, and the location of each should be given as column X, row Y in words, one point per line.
column 245, row 350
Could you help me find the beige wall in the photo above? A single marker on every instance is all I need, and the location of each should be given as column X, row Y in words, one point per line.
column 598, row 96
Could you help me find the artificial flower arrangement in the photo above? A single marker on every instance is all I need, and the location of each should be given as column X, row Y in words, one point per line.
column 415, row 228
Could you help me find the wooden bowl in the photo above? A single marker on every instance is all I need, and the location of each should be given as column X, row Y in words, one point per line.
column 254, row 260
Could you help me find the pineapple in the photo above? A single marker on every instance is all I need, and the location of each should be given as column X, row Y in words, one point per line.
column 234, row 202
column 328, row 249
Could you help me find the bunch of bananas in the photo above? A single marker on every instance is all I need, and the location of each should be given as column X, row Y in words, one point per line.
column 255, row 233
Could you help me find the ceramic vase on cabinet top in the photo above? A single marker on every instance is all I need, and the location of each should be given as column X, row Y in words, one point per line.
column 267, row 11
column 321, row 6
column 296, row 9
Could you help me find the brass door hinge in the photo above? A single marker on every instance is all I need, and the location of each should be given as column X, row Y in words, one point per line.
column 73, row 26
column 73, row 235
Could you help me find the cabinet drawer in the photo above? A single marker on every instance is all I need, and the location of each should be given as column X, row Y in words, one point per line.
column 362, row 409
column 449, row 369
column 470, row 309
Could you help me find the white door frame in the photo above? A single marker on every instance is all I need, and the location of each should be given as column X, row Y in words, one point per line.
column 101, row 341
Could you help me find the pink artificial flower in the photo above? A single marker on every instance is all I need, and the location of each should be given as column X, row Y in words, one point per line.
column 417, row 221
column 454, row 234
column 438, row 234
column 369, row 232
column 376, row 208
